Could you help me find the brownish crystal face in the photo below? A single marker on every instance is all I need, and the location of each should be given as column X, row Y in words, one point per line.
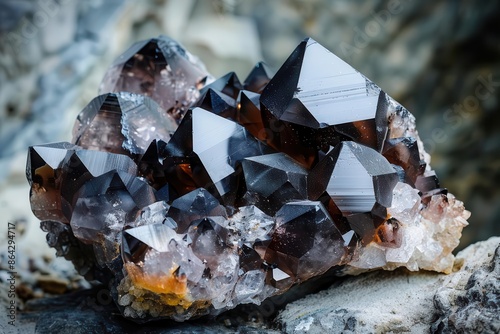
column 161, row 69
column 122, row 123
column 191, row 199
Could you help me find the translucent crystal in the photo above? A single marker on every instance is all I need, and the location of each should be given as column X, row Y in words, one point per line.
column 198, row 204
column 198, row 156
column 228, row 85
column 274, row 179
column 107, row 200
column 57, row 171
column 218, row 103
column 249, row 115
column 161, row 69
column 258, row 78
column 305, row 241
column 122, row 123
column 229, row 196
column 318, row 99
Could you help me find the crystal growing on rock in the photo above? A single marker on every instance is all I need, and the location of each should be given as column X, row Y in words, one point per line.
column 228, row 193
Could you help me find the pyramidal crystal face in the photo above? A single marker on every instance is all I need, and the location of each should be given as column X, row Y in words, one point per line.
column 161, row 69
column 258, row 186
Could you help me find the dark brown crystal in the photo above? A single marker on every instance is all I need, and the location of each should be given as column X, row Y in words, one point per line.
column 317, row 100
column 209, row 157
column 216, row 195
column 161, row 69
column 258, row 78
column 305, row 241
column 228, row 85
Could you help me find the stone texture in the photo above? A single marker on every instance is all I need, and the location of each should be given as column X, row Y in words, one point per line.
column 464, row 301
column 471, row 304
column 377, row 302
column 89, row 312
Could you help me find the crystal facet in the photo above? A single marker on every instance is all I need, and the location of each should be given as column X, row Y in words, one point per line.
column 318, row 99
column 228, row 193
column 121, row 123
column 161, row 69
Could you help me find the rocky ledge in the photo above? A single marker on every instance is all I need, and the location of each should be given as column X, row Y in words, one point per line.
column 399, row 301
column 465, row 301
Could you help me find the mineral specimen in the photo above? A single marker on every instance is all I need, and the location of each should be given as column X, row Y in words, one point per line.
column 188, row 197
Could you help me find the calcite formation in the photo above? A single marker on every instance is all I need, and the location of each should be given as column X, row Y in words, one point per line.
column 189, row 195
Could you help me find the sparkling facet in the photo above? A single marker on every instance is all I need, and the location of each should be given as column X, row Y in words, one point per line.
column 161, row 69
column 198, row 204
column 305, row 241
column 319, row 99
column 121, row 123
column 198, row 156
column 228, row 84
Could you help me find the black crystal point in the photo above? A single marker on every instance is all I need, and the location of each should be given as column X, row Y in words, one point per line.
column 57, row 171
column 318, row 95
column 150, row 165
column 218, row 103
column 198, row 204
column 360, row 178
column 361, row 183
column 258, row 78
column 209, row 156
column 403, row 151
column 45, row 174
column 228, row 84
column 305, row 241
column 274, row 179
column 248, row 114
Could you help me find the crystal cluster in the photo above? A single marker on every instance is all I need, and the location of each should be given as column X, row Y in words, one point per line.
column 189, row 195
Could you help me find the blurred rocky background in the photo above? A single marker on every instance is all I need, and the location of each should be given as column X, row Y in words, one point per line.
column 441, row 59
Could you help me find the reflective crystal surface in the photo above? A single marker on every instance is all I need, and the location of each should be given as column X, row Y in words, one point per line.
column 209, row 156
column 122, row 123
column 218, row 103
column 228, row 193
column 159, row 68
column 318, row 99
column 305, row 241
column 228, row 85
column 258, row 78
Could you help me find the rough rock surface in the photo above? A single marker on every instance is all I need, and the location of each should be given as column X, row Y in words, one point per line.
column 471, row 304
column 92, row 311
column 465, row 301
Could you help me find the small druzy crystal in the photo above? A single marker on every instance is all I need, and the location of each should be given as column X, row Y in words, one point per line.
column 189, row 196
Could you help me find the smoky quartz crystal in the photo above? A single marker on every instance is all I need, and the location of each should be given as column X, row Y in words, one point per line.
column 188, row 196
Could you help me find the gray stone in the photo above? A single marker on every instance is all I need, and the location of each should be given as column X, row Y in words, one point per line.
column 403, row 302
column 92, row 311
column 475, row 307
column 37, row 108
column 62, row 22
column 11, row 11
